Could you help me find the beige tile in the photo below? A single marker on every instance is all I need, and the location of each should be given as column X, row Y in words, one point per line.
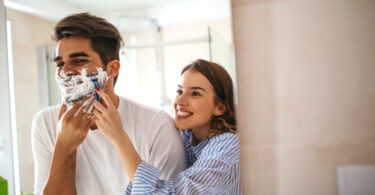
column 313, row 169
column 324, row 72
column 256, row 108
column 305, row 78
column 305, row 71
column 299, row 169
column 259, row 170
column 251, row 2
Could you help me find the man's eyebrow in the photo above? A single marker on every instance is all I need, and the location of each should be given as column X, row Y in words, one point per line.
column 73, row 55
column 57, row 58
column 78, row 54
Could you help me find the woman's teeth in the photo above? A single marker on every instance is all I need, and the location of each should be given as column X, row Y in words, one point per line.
column 181, row 113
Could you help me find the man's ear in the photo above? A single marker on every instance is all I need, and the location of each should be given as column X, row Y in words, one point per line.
column 219, row 109
column 113, row 68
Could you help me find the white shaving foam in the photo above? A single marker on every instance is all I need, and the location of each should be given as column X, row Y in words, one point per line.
column 75, row 87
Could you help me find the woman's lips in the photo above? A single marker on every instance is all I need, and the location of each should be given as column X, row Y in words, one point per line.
column 183, row 114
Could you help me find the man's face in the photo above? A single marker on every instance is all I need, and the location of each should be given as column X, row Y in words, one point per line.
column 77, row 64
column 75, row 53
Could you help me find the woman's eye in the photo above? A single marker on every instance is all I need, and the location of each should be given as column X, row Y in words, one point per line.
column 194, row 93
column 179, row 91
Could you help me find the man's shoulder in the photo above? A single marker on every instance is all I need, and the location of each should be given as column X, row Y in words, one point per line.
column 131, row 106
column 44, row 121
column 47, row 112
column 145, row 112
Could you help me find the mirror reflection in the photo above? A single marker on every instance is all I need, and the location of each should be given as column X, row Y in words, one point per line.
column 159, row 39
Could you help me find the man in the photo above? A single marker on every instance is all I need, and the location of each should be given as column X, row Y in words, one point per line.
column 71, row 155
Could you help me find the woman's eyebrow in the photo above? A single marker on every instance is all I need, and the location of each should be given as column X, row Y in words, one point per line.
column 199, row 88
column 194, row 87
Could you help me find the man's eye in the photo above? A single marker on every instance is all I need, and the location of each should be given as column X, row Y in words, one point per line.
column 59, row 64
column 79, row 61
column 195, row 93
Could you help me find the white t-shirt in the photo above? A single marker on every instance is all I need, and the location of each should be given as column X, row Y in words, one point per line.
column 98, row 167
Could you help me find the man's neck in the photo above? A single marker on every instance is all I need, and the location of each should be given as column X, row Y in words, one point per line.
column 115, row 99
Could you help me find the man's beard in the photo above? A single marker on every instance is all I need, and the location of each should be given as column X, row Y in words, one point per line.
column 76, row 87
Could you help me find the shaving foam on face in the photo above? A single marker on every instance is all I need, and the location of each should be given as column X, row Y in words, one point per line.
column 76, row 87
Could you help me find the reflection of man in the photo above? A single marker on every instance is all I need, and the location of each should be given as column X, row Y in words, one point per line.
column 69, row 158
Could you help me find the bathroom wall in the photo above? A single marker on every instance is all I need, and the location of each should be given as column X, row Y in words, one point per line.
column 28, row 32
column 306, row 82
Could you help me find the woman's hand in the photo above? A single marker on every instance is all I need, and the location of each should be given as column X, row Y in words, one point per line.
column 108, row 118
column 109, row 122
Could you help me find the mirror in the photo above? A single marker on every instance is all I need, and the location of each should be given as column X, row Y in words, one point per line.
column 160, row 37
column 8, row 162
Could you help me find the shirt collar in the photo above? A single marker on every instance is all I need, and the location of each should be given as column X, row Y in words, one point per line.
column 188, row 143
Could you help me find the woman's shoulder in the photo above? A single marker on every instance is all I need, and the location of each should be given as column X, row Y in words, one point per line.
column 222, row 145
column 224, row 139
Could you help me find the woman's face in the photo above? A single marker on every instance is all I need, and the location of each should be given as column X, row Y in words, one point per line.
column 194, row 103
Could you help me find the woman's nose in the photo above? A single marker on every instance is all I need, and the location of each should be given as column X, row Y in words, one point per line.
column 181, row 100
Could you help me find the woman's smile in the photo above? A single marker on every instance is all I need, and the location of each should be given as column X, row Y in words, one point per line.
column 183, row 114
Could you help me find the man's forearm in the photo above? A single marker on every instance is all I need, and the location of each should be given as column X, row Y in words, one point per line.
column 61, row 179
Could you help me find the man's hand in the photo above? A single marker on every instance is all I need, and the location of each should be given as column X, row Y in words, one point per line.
column 73, row 126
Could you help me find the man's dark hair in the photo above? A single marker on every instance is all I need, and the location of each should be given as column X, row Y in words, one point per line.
column 104, row 37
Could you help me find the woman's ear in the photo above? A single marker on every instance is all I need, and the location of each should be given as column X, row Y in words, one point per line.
column 220, row 109
column 113, row 68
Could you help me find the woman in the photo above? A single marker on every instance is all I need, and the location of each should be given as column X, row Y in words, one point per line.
column 205, row 114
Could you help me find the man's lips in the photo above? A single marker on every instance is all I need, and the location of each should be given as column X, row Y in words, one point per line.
column 71, row 84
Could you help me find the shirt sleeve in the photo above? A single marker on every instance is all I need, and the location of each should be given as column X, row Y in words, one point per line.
column 214, row 173
column 196, row 180
column 167, row 151
column 41, row 152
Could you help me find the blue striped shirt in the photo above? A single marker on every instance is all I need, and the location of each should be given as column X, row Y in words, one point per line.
column 213, row 168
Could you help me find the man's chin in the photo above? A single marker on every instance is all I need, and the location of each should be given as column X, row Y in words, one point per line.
column 71, row 101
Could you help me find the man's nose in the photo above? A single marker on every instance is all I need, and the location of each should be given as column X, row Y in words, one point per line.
column 69, row 70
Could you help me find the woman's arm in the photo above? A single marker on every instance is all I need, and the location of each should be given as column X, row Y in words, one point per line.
column 216, row 172
column 109, row 122
column 209, row 177
column 128, row 155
